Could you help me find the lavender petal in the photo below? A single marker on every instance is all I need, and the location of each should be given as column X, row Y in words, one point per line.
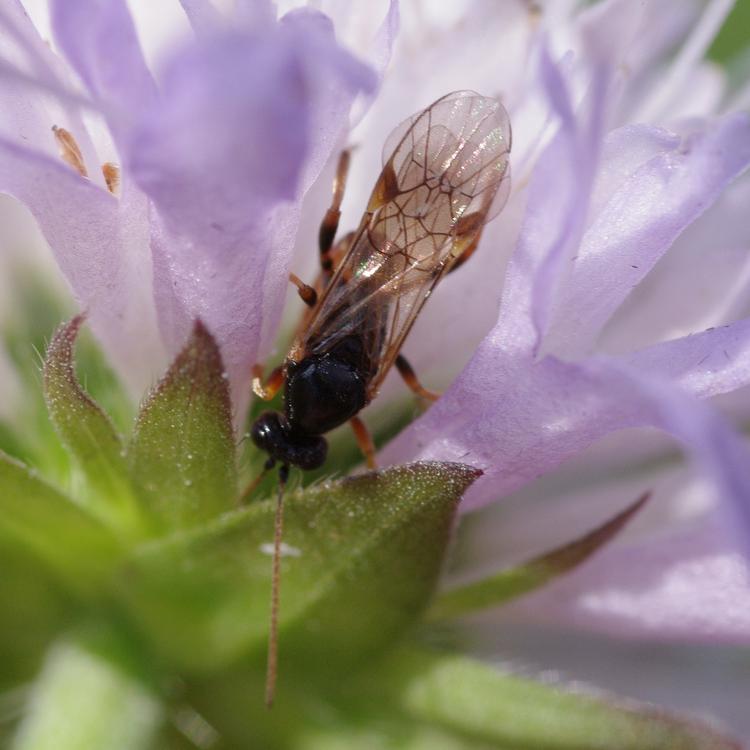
column 100, row 43
column 101, row 246
column 265, row 111
column 640, row 222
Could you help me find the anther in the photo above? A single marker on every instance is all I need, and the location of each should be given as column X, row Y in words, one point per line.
column 69, row 150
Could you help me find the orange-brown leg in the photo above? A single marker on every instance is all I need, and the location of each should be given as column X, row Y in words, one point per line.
column 330, row 223
column 410, row 378
column 253, row 484
column 307, row 294
column 338, row 252
column 364, row 440
column 271, row 387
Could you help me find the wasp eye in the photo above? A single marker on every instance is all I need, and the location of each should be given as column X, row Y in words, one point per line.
column 267, row 431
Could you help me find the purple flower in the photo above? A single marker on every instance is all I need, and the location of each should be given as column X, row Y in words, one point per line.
column 216, row 158
column 609, row 296
column 621, row 307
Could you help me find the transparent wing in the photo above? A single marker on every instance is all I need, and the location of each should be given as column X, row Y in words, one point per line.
column 464, row 136
column 447, row 173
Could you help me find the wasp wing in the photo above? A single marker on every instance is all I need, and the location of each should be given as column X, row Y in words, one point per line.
column 446, row 175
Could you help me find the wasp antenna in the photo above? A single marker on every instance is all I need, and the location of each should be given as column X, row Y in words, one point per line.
column 273, row 632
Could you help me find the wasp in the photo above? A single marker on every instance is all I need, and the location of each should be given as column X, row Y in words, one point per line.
column 446, row 173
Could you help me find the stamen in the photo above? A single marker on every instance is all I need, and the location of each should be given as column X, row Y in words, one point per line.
column 69, row 150
column 111, row 172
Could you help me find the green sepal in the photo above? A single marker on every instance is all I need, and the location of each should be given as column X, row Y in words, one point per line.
column 510, row 583
column 502, row 710
column 71, row 542
column 366, row 554
column 306, row 717
column 91, row 694
column 90, row 436
column 416, row 699
column 182, row 453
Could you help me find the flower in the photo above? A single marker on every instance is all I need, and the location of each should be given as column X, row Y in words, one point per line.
column 195, row 227
column 615, row 294
column 620, row 160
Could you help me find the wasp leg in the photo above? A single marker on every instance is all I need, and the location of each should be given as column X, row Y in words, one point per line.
column 364, row 441
column 465, row 255
column 307, row 294
column 271, row 387
column 410, row 378
column 254, row 483
column 330, row 223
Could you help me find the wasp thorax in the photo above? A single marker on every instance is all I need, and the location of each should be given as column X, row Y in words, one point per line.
column 322, row 393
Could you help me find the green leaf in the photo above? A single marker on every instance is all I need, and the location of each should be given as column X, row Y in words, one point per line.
column 183, row 453
column 90, row 436
column 69, row 540
column 731, row 43
column 34, row 606
column 512, row 582
column 388, row 734
column 487, row 705
column 366, row 554
column 90, row 695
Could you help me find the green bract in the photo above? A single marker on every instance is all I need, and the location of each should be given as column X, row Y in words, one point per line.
column 512, row 582
column 89, row 435
column 137, row 588
column 363, row 556
column 182, row 451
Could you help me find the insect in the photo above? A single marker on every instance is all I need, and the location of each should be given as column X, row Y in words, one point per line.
column 446, row 173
